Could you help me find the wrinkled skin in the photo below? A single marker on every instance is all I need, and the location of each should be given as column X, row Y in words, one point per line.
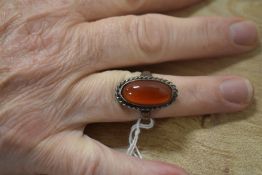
column 50, row 51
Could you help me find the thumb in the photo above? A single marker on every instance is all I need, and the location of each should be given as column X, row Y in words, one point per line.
column 76, row 154
column 115, row 163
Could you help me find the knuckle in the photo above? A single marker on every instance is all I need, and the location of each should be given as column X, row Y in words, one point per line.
column 94, row 161
column 95, row 165
column 214, row 34
column 207, row 29
column 199, row 95
column 149, row 34
column 82, row 50
column 206, row 97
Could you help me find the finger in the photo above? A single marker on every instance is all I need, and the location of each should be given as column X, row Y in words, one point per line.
column 196, row 96
column 106, row 8
column 125, row 41
column 74, row 154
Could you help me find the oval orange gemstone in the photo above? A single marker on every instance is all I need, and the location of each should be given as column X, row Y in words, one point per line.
column 147, row 93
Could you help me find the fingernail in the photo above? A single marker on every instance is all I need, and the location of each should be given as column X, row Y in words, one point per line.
column 237, row 90
column 244, row 33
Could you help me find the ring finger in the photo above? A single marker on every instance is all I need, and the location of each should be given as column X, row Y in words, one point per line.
column 197, row 96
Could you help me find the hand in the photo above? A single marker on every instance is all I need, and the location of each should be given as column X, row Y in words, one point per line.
column 52, row 53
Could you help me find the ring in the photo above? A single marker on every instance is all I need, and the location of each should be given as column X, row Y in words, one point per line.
column 145, row 93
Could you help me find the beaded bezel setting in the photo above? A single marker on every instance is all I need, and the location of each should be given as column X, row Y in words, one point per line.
column 145, row 108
